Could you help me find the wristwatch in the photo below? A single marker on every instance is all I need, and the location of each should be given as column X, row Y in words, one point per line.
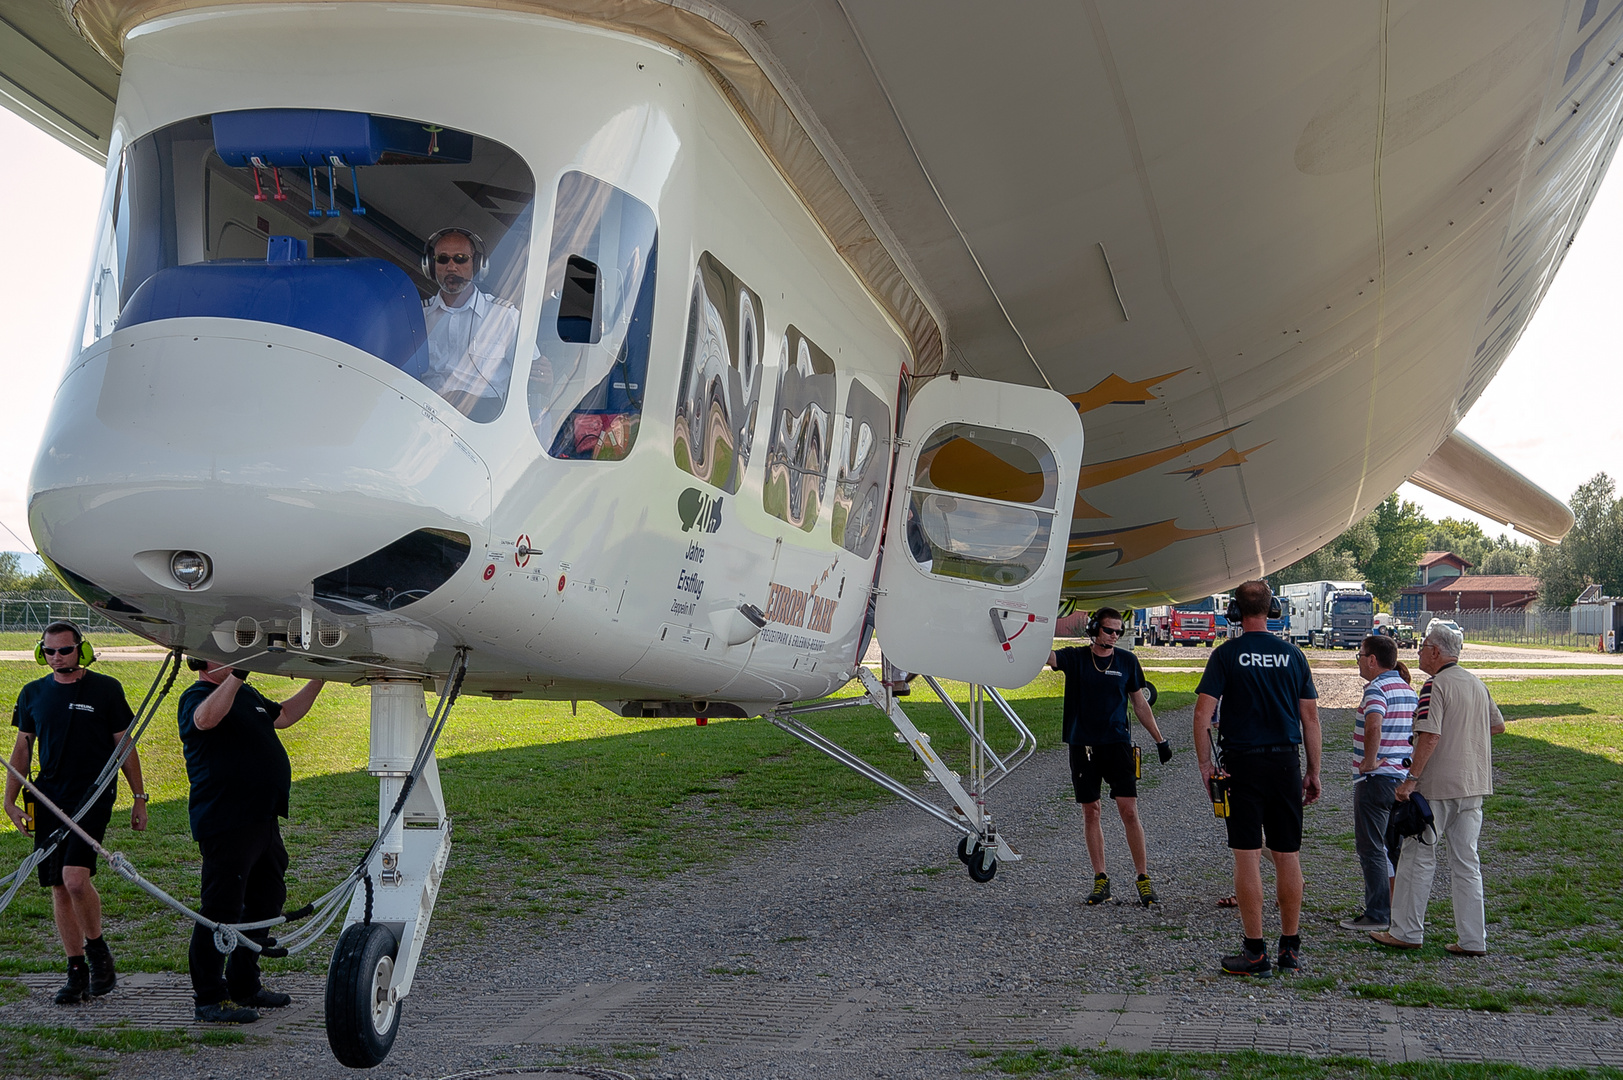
column 141, row 796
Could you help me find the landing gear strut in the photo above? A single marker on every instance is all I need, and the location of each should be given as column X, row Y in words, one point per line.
column 376, row 957
column 981, row 847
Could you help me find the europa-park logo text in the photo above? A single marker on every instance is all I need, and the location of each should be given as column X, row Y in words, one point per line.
column 699, row 510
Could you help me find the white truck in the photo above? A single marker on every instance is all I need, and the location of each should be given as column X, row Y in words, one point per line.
column 1329, row 614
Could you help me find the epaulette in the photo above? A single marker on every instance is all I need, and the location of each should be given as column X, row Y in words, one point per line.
column 499, row 302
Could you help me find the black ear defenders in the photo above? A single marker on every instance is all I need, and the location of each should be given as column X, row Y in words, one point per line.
column 1275, row 610
column 1092, row 629
column 196, row 663
column 481, row 262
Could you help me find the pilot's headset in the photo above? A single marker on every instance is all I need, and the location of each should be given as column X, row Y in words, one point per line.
column 1275, row 610
column 1092, row 627
column 87, row 655
column 481, row 261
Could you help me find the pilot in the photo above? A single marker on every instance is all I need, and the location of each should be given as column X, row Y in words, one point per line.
column 471, row 334
column 241, row 778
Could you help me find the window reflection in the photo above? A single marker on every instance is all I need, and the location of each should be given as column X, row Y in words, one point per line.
column 981, row 504
column 797, row 456
column 590, row 373
column 862, row 464
column 720, row 388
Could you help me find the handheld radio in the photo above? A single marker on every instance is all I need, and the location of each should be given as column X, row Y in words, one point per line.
column 1218, row 786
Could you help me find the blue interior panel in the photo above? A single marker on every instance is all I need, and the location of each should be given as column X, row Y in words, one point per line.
column 368, row 303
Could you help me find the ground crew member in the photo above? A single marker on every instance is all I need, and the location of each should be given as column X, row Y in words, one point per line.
column 1270, row 708
column 78, row 717
column 1100, row 681
column 241, row 778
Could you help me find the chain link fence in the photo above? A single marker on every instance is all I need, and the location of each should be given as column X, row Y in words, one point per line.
column 1513, row 627
column 32, row 612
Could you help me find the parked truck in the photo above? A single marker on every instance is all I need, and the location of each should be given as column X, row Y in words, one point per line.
column 1181, row 624
column 1329, row 614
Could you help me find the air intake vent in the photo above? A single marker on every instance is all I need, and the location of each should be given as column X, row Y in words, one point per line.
column 329, row 636
column 247, row 633
column 403, row 573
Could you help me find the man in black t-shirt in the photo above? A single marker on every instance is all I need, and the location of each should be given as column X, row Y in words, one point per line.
column 77, row 717
column 241, row 778
column 1100, row 682
column 1270, row 708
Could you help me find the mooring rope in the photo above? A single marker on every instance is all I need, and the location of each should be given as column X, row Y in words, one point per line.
column 322, row 911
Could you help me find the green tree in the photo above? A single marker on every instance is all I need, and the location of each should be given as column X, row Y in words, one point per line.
column 1592, row 552
column 40, row 580
column 1510, row 558
column 9, row 572
column 1381, row 550
column 1400, row 531
column 1463, row 538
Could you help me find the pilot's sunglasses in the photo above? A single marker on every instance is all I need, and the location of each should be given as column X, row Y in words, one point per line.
column 63, row 651
column 459, row 258
column 1115, row 630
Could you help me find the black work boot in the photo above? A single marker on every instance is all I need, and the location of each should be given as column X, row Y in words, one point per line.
column 77, row 988
column 102, row 975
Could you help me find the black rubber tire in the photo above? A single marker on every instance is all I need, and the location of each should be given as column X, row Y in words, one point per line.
column 964, row 850
column 360, row 1031
column 1150, row 693
column 976, row 873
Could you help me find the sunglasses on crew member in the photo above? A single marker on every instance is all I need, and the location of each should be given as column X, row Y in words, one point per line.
column 63, row 651
column 1112, row 630
column 459, row 258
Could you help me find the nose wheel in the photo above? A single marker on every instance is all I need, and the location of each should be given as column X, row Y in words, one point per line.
column 363, row 1015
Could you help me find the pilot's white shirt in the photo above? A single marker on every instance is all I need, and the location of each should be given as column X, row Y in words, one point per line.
column 470, row 348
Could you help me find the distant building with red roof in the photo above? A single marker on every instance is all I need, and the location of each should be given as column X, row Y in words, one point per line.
column 1441, row 584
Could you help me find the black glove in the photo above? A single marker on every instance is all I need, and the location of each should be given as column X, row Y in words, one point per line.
column 1164, row 750
column 241, row 673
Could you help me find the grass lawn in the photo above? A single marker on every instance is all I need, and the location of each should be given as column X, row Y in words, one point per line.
column 553, row 813
column 1249, row 1065
column 1555, row 912
column 120, row 640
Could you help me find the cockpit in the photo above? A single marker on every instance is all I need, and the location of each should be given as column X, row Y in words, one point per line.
column 407, row 240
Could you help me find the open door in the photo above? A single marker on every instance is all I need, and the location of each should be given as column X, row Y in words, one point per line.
column 986, row 473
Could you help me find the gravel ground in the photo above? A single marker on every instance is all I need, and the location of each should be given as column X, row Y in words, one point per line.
column 861, row 948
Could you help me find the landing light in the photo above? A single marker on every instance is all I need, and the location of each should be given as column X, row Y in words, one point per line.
column 189, row 568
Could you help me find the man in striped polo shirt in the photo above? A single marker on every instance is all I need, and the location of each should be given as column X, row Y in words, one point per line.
column 1380, row 746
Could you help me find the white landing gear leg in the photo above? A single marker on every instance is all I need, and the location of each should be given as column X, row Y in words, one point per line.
column 376, row 956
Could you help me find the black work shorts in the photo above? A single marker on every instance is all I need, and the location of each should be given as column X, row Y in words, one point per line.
column 1265, row 801
column 72, row 851
column 1111, row 763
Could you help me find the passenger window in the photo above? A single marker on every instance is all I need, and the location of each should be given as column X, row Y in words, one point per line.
column 982, row 504
column 862, row 465
column 591, row 367
column 720, row 389
column 797, row 456
column 367, row 204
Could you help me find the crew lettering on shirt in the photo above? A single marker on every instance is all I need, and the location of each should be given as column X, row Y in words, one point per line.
column 1252, row 659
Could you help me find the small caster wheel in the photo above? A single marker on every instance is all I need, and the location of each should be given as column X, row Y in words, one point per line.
column 965, row 852
column 1150, row 693
column 981, row 869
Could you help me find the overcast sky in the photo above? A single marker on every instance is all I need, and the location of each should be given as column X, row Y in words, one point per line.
column 1537, row 414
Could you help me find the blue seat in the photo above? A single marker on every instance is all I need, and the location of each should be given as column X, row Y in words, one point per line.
column 368, row 303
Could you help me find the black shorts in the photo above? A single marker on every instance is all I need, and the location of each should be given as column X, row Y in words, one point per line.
column 72, row 851
column 1265, row 800
column 1111, row 763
